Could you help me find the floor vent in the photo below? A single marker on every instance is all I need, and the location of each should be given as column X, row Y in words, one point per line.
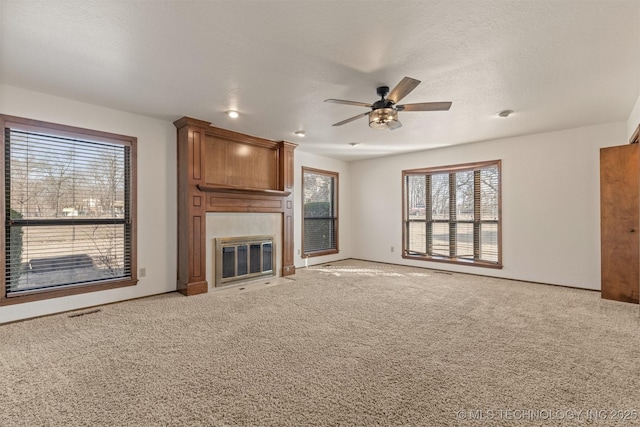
column 84, row 313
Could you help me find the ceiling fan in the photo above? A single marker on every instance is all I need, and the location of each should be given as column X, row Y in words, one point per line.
column 384, row 112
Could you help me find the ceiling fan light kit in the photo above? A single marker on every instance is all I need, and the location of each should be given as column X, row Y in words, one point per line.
column 382, row 118
column 384, row 112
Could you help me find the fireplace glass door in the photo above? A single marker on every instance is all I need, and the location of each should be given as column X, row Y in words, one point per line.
column 240, row 258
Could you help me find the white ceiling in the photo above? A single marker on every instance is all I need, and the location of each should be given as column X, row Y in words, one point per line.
column 557, row 63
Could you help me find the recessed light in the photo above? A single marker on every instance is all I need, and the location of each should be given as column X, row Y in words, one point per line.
column 300, row 133
column 505, row 113
column 233, row 114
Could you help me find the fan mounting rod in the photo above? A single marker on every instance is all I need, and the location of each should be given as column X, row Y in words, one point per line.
column 382, row 91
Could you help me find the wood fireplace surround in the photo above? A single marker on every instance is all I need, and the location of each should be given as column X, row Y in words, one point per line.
column 224, row 171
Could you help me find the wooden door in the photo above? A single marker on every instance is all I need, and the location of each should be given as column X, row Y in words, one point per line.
column 620, row 222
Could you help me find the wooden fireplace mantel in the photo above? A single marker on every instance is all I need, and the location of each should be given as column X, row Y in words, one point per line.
column 225, row 171
column 242, row 190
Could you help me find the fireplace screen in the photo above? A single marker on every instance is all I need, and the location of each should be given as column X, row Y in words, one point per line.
column 241, row 258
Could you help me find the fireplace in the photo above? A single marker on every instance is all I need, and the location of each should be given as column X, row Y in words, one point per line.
column 244, row 258
column 223, row 176
column 240, row 228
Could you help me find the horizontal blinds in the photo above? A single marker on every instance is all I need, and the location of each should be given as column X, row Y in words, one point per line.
column 489, row 213
column 67, row 217
column 440, row 196
column 320, row 213
column 415, row 190
column 319, row 234
column 464, row 207
column 453, row 214
column 51, row 177
column 438, row 226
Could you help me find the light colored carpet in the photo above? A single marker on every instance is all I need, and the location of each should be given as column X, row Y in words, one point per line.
column 353, row 343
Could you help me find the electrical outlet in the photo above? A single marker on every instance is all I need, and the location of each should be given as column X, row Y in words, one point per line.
column 392, row 249
column 142, row 272
column 298, row 251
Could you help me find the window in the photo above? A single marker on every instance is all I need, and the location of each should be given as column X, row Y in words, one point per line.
column 69, row 210
column 320, row 205
column 452, row 214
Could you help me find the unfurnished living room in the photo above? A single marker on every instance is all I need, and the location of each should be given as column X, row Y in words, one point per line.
column 320, row 212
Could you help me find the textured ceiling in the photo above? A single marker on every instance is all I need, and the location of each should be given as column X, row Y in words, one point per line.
column 557, row 63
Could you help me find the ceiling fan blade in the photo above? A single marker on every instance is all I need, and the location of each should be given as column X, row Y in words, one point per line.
column 352, row 119
column 425, row 106
column 342, row 101
column 394, row 124
column 402, row 89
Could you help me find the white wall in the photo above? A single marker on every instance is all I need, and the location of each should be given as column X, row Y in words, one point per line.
column 345, row 237
column 550, row 203
column 157, row 208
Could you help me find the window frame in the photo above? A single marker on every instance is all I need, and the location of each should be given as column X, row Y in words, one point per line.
column 451, row 169
column 336, row 215
column 59, row 130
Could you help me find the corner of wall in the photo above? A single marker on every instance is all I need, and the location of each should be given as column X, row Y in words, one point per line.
column 634, row 118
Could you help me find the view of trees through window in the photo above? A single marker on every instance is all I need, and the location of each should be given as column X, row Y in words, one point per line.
column 320, row 222
column 67, row 209
column 453, row 213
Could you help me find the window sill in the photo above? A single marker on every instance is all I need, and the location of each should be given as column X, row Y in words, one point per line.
column 44, row 294
column 320, row 253
column 469, row 263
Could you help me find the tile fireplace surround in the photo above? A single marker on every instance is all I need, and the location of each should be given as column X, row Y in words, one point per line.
column 234, row 225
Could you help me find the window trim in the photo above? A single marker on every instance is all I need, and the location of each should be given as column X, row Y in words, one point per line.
column 335, row 176
column 453, row 169
column 7, row 122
